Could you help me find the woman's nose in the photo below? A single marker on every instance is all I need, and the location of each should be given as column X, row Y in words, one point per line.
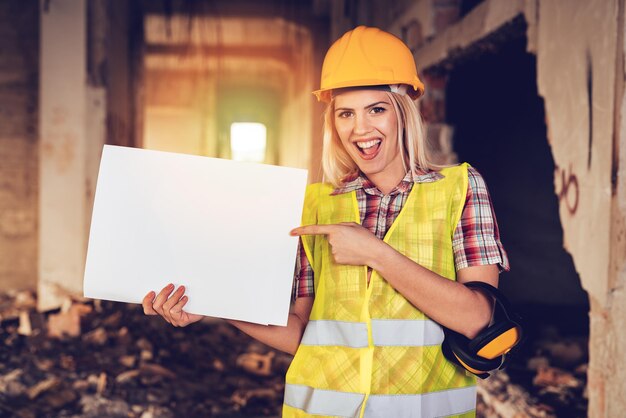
column 361, row 125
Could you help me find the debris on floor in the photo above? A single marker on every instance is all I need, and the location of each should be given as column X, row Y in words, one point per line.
column 547, row 377
column 115, row 362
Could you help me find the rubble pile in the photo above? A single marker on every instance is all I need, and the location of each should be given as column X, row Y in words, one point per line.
column 547, row 377
column 107, row 359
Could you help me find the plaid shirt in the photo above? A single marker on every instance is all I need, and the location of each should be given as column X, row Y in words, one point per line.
column 476, row 239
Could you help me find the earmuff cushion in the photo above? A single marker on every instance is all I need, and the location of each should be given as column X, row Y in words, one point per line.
column 489, row 334
column 457, row 344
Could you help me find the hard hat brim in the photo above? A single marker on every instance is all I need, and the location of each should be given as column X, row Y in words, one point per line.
column 415, row 90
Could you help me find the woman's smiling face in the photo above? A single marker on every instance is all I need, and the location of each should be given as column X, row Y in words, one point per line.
column 367, row 126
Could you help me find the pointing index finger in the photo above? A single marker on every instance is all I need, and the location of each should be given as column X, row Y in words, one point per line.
column 312, row 230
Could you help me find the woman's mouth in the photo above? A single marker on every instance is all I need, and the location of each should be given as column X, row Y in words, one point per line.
column 368, row 149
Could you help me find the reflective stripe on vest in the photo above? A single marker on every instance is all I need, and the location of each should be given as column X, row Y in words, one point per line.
column 343, row 404
column 347, row 334
column 406, row 332
column 385, row 332
column 323, row 402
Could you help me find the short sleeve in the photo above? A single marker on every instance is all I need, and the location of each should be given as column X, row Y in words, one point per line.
column 476, row 239
column 303, row 285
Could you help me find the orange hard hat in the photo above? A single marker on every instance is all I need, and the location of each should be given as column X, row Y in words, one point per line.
column 368, row 56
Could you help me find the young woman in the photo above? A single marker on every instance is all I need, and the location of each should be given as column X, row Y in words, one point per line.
column 387, row 243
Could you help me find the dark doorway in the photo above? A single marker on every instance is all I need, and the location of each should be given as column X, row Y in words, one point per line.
column 499, row 127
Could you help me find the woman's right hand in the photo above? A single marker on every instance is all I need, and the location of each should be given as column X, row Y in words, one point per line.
column 170, row 306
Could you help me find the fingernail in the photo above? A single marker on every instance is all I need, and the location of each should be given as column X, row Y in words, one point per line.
column 170, row 286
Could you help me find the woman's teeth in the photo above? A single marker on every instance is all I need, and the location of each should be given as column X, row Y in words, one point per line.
column 368, row 144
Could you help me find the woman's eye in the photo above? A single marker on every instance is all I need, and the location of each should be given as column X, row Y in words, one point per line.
column 378, row 109
column 345, row 114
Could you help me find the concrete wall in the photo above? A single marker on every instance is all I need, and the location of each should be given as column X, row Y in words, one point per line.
column 19, row 69
column 63, row 150
column 576, row 77
column 579, row 49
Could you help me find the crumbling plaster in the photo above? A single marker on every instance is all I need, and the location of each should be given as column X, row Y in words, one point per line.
column 577, row 52
column 576, row 78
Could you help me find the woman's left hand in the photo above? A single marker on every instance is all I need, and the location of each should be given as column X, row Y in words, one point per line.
column 350, row 242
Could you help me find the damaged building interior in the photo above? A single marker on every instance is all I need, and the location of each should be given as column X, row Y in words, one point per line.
column 529, row 92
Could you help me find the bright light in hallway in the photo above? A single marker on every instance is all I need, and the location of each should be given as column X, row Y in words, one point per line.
column 248, row 141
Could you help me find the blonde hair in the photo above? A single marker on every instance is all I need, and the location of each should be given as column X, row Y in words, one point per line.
column 339, row 166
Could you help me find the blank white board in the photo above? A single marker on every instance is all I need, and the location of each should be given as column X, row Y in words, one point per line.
column 219, row 227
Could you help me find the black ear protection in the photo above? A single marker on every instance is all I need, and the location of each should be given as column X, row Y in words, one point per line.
column 487, row 351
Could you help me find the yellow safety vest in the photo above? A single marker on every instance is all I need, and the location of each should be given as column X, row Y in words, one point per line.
column 366, row 351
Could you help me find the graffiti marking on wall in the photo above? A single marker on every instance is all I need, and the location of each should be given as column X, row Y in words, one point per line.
column 567, row 188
